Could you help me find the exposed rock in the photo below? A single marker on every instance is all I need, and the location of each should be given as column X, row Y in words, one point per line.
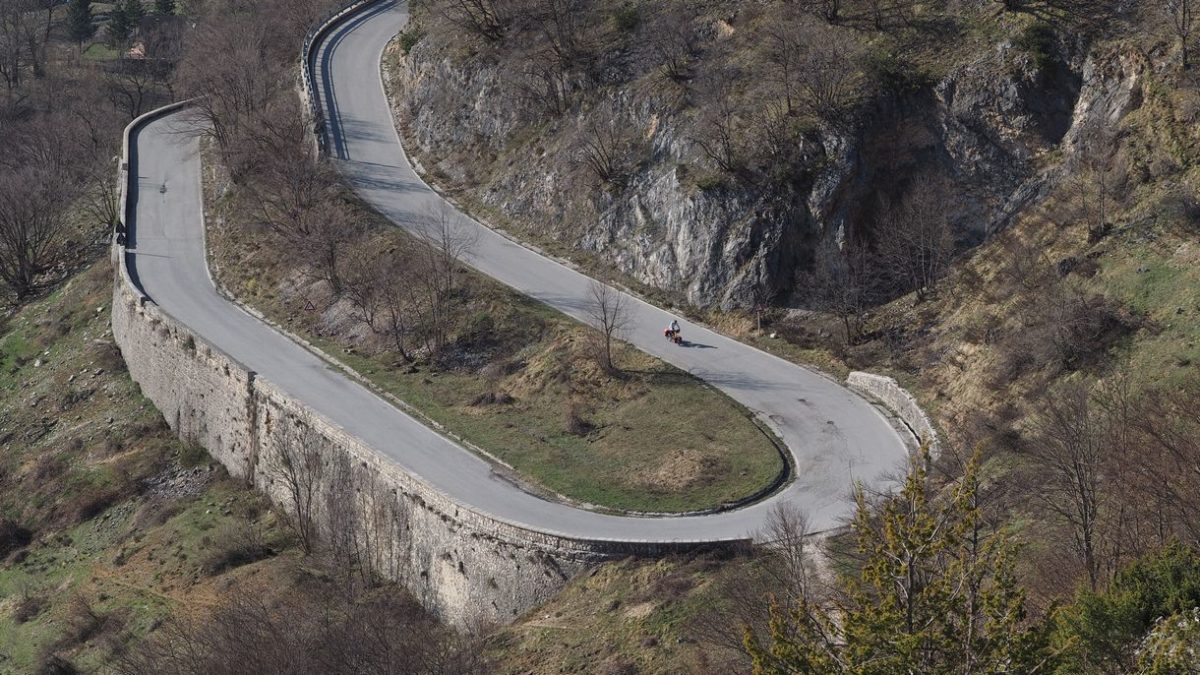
column 986, row 129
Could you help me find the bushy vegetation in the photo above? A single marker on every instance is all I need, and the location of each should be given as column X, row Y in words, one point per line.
column 123, row 548
column 1103, row 631
column 932, row 590
column 61, row 119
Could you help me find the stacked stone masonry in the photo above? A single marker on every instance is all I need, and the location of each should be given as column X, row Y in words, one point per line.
column 895, row 398
column 466, row 567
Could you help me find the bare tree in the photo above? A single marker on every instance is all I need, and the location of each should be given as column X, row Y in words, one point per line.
column 844, row 284
column 412, row 295
column 297, row 196
column 673, row 41
column 228, row 65
column 488, row 19
column 1182, row 20
column 829, row 76
column 162, row 43
column 604, row 151
column 721, row 133
column 608, row 312
column 782, row 56
column 915, row 241
column 829, row 10
column 544, row 84
column 342, row 522
column 299, row 465
column 16, row 29
column 786, row 534
column 1071, row 443
column 1097, row 183
column 1026, row 265
column 130, row 83
column 404, row 290
column 37, row 186
column 1165, row 427
column 331, row 228
column 376, row 287
column 783, row 569
column 451, row 239
column 562, row 24
column 104, row 195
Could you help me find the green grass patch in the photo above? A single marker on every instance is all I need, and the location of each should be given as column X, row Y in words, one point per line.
column 99, row 51
column 1166, row 290
column 77, row 440
column 657, row 439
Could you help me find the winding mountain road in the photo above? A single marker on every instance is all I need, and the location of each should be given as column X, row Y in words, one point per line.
column 834, row 436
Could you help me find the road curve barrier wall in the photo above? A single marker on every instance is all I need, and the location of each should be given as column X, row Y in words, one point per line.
column 307, row 78
column 895, row 398
column 465, row 566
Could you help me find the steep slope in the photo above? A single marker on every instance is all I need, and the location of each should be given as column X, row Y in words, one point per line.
column 119, row 544
column 718, row 151
column 108, row 524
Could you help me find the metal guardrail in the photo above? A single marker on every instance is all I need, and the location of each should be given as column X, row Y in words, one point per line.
column 314, row 35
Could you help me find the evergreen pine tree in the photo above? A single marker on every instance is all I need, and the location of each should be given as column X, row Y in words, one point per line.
column 936, row 594
column 136, row 11
column 164, row 7
column 79, row 21
column 120, row 27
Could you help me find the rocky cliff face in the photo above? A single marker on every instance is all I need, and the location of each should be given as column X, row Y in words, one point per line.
column 989, row 128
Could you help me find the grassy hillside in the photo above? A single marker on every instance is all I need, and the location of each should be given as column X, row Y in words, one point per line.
column 625, row 617
column 107, row 523
column 115, row 538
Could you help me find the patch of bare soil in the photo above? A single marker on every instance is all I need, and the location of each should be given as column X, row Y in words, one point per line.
column 679, row 469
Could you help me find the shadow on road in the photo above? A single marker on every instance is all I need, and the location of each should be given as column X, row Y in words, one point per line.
column 334, row 126
column 366, row 176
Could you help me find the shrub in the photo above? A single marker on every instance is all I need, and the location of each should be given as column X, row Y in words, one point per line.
column 13, row 537
column 895, row 74
column 709, row 181
column 236, row 544
column 1062, row 329
column 192, row 454
column 53, row 664
column 27, row 607
column 410, row 38
column 573, row 421
column 91, row 502
column 153, row 513
column 1037, row 40
column 83, row 621
column 1102, row 630
column 627, row 18
column 109, row 358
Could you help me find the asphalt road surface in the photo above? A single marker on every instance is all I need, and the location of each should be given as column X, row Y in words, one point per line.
column 835, row 437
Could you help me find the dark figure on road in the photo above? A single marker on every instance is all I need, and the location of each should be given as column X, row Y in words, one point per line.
column 672, row 332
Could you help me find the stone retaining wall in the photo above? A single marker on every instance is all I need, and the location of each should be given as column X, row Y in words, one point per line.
column 896, row 399
column 465, row 566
